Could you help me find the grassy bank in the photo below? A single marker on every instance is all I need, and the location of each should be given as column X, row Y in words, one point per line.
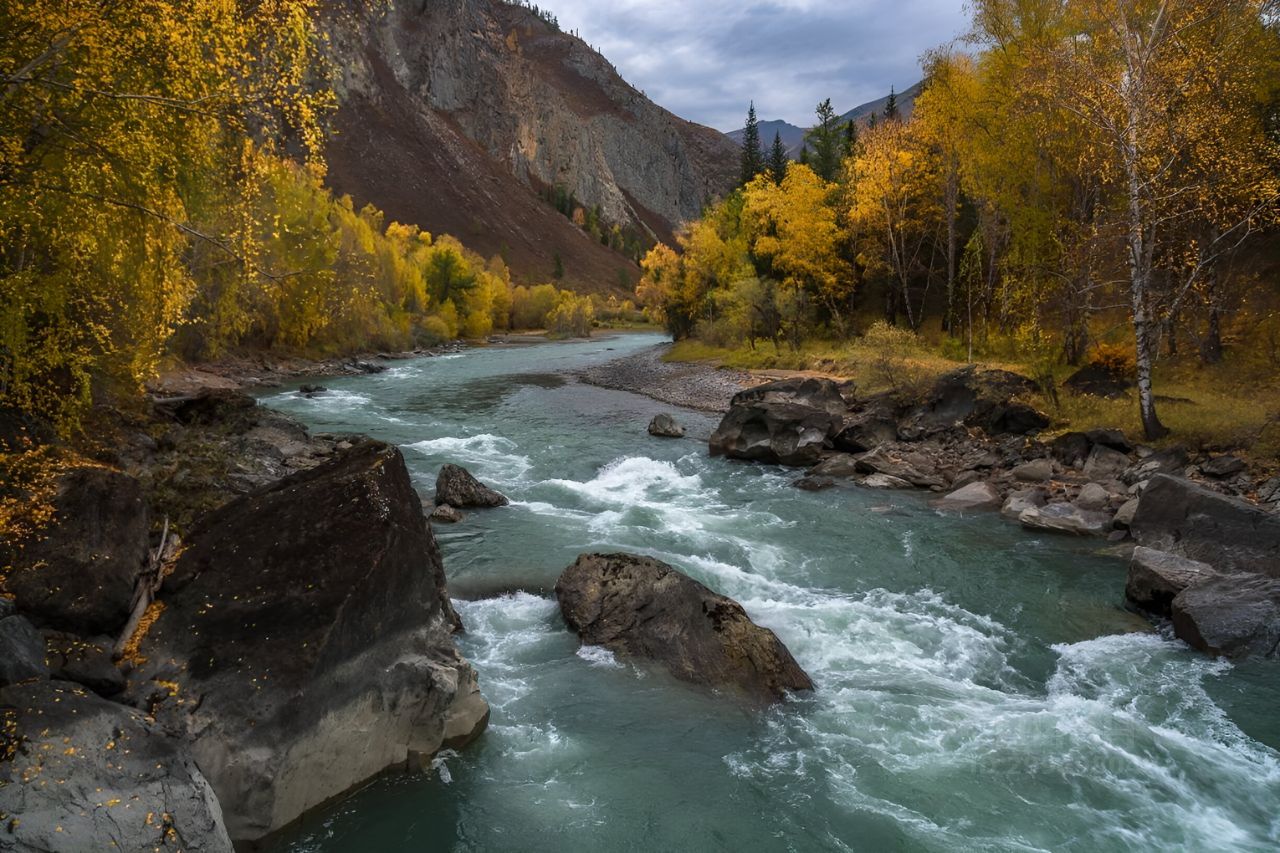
column 1233, row 405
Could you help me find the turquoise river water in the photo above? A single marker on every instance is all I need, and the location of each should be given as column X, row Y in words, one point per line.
column 978, row 687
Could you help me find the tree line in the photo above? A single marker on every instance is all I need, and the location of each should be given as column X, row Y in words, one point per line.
column 1082, row 161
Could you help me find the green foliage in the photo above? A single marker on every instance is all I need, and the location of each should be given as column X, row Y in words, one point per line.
column 752, row 154
column 827, row 140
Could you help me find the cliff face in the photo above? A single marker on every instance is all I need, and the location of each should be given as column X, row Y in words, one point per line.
column 458, row 115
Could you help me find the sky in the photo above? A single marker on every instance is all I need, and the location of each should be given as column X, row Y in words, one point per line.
column 705, row 60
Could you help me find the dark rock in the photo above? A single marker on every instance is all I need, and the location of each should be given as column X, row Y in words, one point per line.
column 1105, row 463
column 837, row 465
column 814, row 484
column 1172, row 461
column 790, row 422
column 979, row 495
column 1071, row 449
column 1231, row 615
column 80, row 575
column 1093, row 497
column 456, row 487
column 88, row 774
column 1222, row 467
column 1180, row 517
column 971, row 397
column 1066, row 518
column 1021, row 501
column 312, row 390
column 1100, row 380
column 326, row 586
column 85, row 662
column 446, row 514
column 7, row 607
column 21, row 653
column 881, row 461
column 211, row 406
column 665, row 426
column 1156, row 578
column 1113, row 438
column 875, row 424
column 640, row 607
column 20, row 431
column 1124, row 515
column 1035, row 471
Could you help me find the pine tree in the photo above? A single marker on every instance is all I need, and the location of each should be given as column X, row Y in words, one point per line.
column 826, row 139
column 891, row 106
column 850, row 139
column 778, row 159
column 752, row 156
column 804, row 155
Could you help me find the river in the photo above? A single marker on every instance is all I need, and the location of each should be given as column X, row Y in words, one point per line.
column 978, row 687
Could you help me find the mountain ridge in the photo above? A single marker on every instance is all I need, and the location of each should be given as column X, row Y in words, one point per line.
column 793, row 137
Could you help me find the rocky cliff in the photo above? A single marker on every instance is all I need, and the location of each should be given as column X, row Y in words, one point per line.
column 460, row 115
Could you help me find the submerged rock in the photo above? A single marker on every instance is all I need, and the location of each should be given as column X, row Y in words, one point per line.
column 79, row 575
column 91, row 774
column 326, row 587
column 639, row 607
column 1230, row 615
column 456, row 487
column 665, row 426
column 1180, row 517
column 445, row 514
column 789, row 422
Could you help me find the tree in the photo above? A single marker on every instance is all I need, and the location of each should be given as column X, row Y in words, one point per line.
column 752, row 155
column 825, row 136
column 778, row 159
column 891, row 106
column 850, row 143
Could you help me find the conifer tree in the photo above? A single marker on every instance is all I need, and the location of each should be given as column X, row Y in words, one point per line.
column 891, row 106
column 826, row 139
column 752, row 155
column 778, row 159
column 850, row 144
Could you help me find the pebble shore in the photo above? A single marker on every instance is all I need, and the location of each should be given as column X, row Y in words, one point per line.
column 689, row 384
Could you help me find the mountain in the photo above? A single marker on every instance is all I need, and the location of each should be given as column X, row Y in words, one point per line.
column 464, row 116
column 793, row 137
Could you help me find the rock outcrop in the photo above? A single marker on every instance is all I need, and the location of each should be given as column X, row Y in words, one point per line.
column 88, row 774
column 788, row 422
column 79, row 574
column 1184, row 518
column 21, row 651
column 981, row 398
column 640, row 607
column 303, row 641
column 456, row 487
column 1156, row 579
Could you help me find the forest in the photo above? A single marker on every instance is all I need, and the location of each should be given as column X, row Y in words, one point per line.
column 1080, row 183
column 162, row 196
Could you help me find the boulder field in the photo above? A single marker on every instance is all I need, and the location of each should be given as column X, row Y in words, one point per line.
column 1210, row 561
column 299, row 643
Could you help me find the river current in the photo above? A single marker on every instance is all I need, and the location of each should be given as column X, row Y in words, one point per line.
column 978, row 687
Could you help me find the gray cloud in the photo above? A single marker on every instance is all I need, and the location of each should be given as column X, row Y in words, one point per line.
column 706, row 60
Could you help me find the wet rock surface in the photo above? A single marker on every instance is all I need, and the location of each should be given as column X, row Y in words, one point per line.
column 1230, row 615
column 456, row 487
column 1156, row 578
column 1185, row 518
column 642, row 608
column 665, row 426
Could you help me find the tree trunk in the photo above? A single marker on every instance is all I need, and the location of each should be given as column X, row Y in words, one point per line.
column 1139, row 282
column 949, row 322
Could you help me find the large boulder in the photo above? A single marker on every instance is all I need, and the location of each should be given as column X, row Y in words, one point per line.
column 640, row 607
column 79, row 574
column 1180, row 517
column 873, row 424
column 456, row 487
column 917, row 471
column 980, row 495
column 1156, row 578
column 981, row 398
column 789, row 422
column 305, row 641
column 1231, row 615
column 88, row 774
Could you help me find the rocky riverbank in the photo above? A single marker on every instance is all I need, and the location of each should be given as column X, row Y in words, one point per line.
column 973, row 440
column 157, row 636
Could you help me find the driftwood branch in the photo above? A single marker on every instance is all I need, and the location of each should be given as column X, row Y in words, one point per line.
column 144, row 591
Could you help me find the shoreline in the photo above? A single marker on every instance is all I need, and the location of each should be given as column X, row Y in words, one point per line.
column 690, row 385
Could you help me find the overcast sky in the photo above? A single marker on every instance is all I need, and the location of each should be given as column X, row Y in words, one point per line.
column 706, row 59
